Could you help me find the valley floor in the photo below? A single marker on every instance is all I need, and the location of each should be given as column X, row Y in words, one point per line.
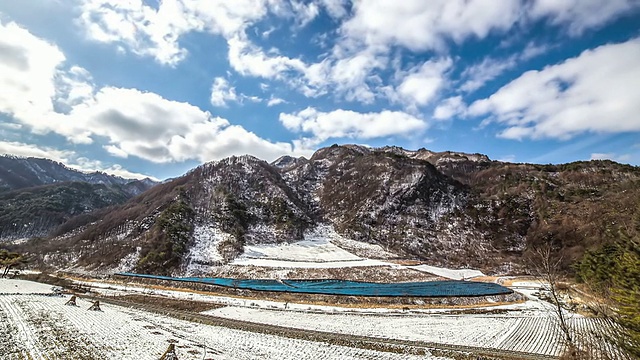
column 40, row 326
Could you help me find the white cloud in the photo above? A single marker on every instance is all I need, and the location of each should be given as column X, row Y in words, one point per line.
column 87, row 165
column 206, row 144
column 370, row 32
column 303, row 12
column 31, row 150
column 335, row 8
column 580, row 15
column 28, row 69
column 73, row 87
column 350, row 124
column 248, row 59
column 594, row 92
column 611, row 156
column 508, row 158
column 532, row 50
column 422, row 83
column 150, row 127
column 273, row 101
column 147, row 31
column 422, row 25
column 126, row 122
column 221, row 92
column 479, row 74
column 350, row 76
column 160, row 130
column 602, row 156
column 449, row 107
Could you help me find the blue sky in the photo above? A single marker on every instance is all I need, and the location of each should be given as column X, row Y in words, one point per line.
column 154, row 88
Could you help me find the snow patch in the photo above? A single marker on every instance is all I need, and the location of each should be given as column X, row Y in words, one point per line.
column 204, row 251
column 460, row 274
column 308, row 264
column 317, row 250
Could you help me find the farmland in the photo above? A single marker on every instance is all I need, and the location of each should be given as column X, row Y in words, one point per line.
column 39, row 326
column 36, row 326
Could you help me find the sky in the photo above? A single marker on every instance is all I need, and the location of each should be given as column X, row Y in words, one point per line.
column 154, row 88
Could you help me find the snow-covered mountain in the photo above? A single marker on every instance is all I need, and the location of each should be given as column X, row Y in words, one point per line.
column 22, row 172
column 38, row 195
column 451, row 209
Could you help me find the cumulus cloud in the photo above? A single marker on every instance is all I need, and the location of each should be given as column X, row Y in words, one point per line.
column 149, row 31
column 28, row 69
column 221, row 92
column 153, row 128
column 31, row 150
column 248, row 59
column 303, row 12
column 422, row 83
column 350, row 124
column 73, row 87
column 369, row 31
column 273, row 101
column 449, row 107
column 594, row 92
column 126, row 122
column 422, row 25
column 579, row 15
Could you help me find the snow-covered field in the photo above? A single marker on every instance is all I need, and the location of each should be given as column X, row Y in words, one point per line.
column 527, row 327
column 324, row 248
column 528, row 331
column 461, row 274
column 317, row 250
column 42, row 327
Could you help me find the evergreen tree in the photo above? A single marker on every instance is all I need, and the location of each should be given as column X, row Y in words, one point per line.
column 613, row 271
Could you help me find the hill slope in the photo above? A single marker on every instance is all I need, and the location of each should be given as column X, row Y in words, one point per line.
column 38, row 195
column 20, row 172
column 449, row 209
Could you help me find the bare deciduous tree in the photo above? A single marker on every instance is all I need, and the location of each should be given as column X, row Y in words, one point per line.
column 546, row 267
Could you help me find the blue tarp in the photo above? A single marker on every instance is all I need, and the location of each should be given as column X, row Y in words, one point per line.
column 343, row 287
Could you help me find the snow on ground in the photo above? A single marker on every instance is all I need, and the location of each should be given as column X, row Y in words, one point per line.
column 317, row 250
column 42, row 327
column 527, row 331
column 316, row 247
column 129, row 261
column 204, row 251
column 308, row 264
column 13, row 286
column 475, row 330
column 461, row 274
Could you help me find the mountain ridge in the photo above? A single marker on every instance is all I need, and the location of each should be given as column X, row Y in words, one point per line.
column 39, row 195
column 458, row 209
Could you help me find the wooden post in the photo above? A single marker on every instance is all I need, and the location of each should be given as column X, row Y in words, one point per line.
column 95, row 306
column 170, row 354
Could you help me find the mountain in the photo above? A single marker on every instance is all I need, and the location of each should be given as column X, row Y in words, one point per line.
column 22, row 172
column 39, row 195
column 446, row 208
